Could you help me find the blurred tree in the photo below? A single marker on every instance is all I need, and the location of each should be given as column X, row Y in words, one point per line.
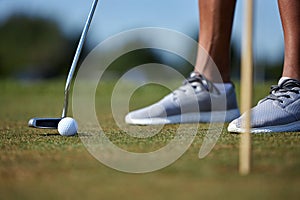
column 145, row 56
column 33, row 48
column 235, row 57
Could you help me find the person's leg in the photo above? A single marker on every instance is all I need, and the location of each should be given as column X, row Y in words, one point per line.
column 215, row 101
column 290, row 17
column 216, row 19
column 280, row 111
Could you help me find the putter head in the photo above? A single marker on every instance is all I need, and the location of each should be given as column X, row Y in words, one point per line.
column 45, row 123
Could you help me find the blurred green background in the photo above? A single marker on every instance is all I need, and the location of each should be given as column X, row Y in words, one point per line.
column 38, row 39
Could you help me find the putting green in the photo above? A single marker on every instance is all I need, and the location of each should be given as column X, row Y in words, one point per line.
column 40, row 164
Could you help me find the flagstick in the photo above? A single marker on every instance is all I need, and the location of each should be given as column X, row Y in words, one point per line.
column 246, row 89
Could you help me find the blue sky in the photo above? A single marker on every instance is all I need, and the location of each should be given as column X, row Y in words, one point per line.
column 114, row 16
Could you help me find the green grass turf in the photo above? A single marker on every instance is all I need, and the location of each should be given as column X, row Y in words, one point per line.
column 40, row 164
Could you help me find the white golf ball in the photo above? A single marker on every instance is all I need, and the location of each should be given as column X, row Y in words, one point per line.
column 67, row 127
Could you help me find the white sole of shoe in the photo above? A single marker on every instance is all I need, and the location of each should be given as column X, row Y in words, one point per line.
column 203, row 117
column 291, row 127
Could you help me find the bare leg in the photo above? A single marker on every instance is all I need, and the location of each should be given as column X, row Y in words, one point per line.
column 290, row 17
column 216, row 19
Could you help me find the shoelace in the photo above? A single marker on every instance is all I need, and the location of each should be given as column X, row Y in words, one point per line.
column 202, row 81
column 280, row 91
column 197, row 80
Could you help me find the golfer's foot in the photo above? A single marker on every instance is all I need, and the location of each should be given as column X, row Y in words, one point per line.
column 198, row 100
column 278, row 112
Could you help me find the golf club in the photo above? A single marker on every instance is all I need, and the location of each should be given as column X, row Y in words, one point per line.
column 52, row 123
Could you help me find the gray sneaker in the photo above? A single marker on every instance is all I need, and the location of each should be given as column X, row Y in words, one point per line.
column 278, row 112
column 197, row 100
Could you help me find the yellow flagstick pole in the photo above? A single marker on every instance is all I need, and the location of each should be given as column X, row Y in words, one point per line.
column 246, row 89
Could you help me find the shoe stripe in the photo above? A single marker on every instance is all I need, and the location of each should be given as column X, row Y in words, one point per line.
column 204, row 117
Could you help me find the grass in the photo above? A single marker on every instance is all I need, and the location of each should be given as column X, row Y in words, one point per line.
column 40, row 164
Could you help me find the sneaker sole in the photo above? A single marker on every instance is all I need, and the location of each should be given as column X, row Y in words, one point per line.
column 291, row 127
column 204, row 117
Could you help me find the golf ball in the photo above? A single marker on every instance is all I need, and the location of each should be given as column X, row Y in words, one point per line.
column 67, row 127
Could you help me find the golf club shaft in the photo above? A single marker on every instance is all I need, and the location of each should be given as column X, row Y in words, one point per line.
column 76, row 57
